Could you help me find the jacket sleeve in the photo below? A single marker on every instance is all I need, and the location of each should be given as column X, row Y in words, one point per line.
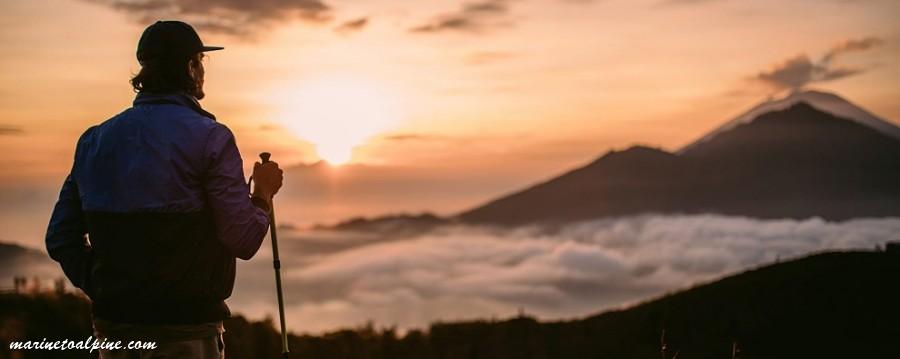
column 65, row 240
column 240, row 225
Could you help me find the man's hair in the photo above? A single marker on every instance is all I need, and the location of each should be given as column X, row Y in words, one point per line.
column 166, row 74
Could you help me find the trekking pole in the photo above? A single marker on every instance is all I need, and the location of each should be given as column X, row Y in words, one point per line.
column 276, row 263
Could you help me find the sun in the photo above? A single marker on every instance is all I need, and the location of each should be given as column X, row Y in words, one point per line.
column 338, row 114
column 335, row 153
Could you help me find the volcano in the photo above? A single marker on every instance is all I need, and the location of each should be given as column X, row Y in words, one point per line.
column 810, row 154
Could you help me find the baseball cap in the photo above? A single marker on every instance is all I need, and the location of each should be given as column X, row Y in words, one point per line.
column 170, row 38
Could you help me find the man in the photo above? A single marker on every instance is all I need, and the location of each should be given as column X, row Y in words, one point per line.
column 159, row 191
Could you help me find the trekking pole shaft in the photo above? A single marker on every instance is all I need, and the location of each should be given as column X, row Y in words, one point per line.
column 276, row 263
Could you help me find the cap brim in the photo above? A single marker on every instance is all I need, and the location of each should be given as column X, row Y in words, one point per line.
column 211, row 48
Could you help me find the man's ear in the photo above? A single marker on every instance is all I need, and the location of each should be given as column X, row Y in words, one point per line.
column 194, row 65
column 195, row 68
column 191, row 67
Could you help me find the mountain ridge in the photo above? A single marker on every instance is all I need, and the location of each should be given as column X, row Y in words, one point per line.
column 798, row 162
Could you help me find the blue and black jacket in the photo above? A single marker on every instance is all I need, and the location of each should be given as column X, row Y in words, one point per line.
column 153, row 213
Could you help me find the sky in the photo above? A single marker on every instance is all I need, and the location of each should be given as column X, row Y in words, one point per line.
column 449, row 103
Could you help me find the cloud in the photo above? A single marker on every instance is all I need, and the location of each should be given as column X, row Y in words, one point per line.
column 352, row 25
column 399, row 137
column 335, row 280
column 851, row 46
column 232, row 17
column 697, row 2
column 441, row 138
column 488, row 57
column 10, row 130
column 269, row 127
column 687, row 2
column 800, row 70
column 471, row 17
column 791, row 73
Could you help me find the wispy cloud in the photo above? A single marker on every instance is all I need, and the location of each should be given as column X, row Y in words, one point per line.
column 488, row 57
column 354, row 25
column 342, row 279
column 435, row 137
column 699, row 2
column 800, row 70
column 223, row 16
column 851, row 45
column 10, row 130
column 471, row 17
column 686, row 2
column 415, row 137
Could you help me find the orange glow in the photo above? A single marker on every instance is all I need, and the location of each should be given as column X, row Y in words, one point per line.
column 337, row 114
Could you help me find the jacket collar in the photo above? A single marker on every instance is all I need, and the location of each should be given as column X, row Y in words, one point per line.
column 174, row 98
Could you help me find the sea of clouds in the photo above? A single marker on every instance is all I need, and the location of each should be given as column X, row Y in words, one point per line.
column 339, row 280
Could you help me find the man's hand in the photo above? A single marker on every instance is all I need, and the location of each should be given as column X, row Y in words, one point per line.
column 267, row 180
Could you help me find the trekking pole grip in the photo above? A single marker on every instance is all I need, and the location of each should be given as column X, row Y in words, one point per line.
column 265, row 156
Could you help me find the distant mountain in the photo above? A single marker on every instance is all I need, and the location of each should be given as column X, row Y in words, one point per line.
column 830, row 305
column 797, row 162
column 394, row 224
column 13, row 252
column 19, row 261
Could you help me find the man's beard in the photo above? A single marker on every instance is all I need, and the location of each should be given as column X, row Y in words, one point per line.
column 198, row 91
